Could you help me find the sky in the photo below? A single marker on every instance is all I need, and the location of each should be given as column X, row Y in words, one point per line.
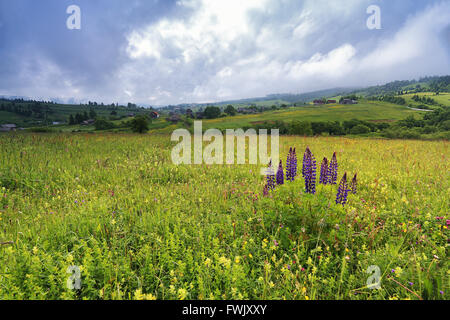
column 159, row 52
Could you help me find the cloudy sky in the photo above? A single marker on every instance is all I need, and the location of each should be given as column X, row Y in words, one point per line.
column 169, row 52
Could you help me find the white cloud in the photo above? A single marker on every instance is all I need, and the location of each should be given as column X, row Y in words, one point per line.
column 214, row 26
column 236, row 49
column 209, row 50
column 417, row 42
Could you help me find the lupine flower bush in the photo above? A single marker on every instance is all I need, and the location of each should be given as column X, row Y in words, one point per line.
column 304, row 164
column 343, row 190
column 280, row 174
column 288, row 165
column 266, row 190
column 270, row 177
column 333, row 170
column 294, row 164
column 324, row 171
column 291, row 165
column 309, row 169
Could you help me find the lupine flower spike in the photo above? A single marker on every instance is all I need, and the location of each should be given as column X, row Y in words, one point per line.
column 265, row 191
column 304, row 162
column 342, row 193
column 291, row 165
column 270, row 177
column 354, row 185
column 309, row 165
column 280, row 174
column 288, row 165
column 324, row 171
column 294, row 164
column 333, row 170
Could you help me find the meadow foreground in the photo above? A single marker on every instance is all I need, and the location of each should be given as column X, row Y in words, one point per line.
column 139, row 227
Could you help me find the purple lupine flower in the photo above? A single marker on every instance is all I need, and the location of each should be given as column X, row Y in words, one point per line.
column 354, row 185
column 324, row 171
column 291, row 165
column 343, row 190
column 288, row 165
column 270, row 177
column 280, row 174
column 265, row 191
column 304, row 163
column 309, row 166
column 294, row 164
column 333, row 170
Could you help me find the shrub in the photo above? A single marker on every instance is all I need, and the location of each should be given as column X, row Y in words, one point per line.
column 300, row 128
column 139, row 124
column 360, row 129
column 102, row 124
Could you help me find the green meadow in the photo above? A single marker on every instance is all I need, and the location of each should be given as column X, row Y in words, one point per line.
column 139, row 227
column 365, row 110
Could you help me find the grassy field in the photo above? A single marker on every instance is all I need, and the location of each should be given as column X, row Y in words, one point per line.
column 365, row 110
column 442, row 98
column 139, row 227
column 61, row 113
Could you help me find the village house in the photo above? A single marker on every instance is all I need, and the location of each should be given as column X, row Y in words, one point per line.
column 8, row 127
column 318, row 102
column 154, row 115
column 88, row 122
column 174, row 118
column 348, row 101
column 331, row 101
column 199, row 115
column 189, row 113
column 247, row 111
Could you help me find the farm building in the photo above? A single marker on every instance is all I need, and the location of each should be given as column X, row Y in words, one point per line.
column 190, row 113
column 174, row 118
column 331, row 101
column 8, row 127
column 247, row 111
column 154, row 115
column 318, row 102
column 348, row 101
column 199, row 115
column 88, row 122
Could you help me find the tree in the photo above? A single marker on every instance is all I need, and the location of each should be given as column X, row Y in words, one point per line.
column 301, row 128
column 78, row 118
column 92, row 114
column 139, row 124
column 212, row 112
column 71, row 120
column 230, row 110
column 360, row 129
column 102, row 124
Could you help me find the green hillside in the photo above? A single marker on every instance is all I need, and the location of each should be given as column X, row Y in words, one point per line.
column 38, row 113
column 365, row 110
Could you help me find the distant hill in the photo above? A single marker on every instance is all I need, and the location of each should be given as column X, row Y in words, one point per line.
column 433, row 84
column 28, row 113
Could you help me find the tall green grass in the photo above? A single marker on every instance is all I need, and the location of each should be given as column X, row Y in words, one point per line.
column 139, row 227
